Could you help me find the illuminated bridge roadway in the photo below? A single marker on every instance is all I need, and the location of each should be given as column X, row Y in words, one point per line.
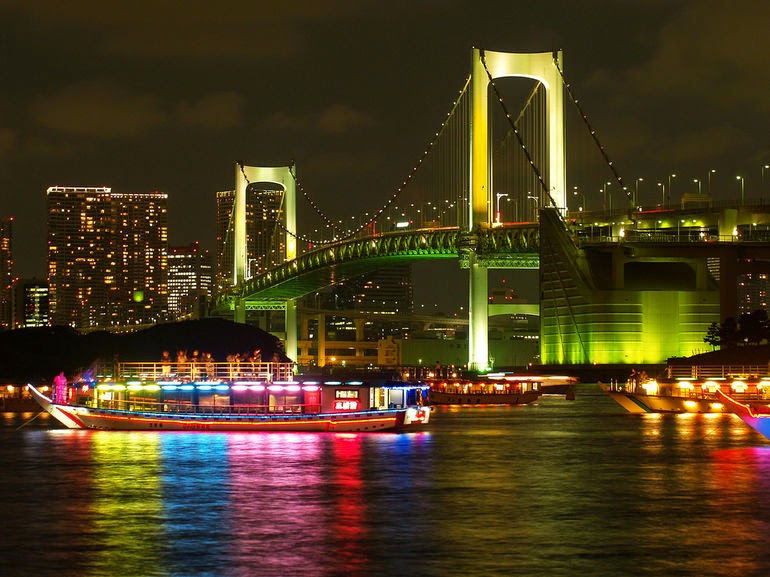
column 513, row 246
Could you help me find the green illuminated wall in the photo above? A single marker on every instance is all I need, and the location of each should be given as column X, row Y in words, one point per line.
column 591, row 312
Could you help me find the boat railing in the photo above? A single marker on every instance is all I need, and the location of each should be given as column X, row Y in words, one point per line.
column 751, row 392
column 703, row 372
column 205, row 371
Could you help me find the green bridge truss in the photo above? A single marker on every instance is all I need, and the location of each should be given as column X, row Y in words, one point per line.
column 512, row 247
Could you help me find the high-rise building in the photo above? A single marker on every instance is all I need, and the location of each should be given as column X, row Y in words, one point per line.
column 189, row 280
column 225, row 244
column 265, row 235
column 6, row 272
column 386, row 290
column 753, row 290
column 107, row 257
column 31, row 304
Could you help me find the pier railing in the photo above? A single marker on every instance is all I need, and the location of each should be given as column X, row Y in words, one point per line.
column 203, row 371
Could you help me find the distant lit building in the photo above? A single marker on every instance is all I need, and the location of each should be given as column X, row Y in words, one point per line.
column 265, row 234
column 107, row 257
column 189, row 280
column 385, row 291
column 225, row 246
column 753, row 292
column 31, row 304
column 6, row 272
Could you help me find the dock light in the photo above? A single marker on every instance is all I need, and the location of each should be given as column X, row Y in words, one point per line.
column 710, row 386
column 651, row 387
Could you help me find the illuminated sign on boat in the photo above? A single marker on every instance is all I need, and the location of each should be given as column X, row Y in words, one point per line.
column 346, row 405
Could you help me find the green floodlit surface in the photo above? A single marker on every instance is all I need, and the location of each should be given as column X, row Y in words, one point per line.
column 666, row 324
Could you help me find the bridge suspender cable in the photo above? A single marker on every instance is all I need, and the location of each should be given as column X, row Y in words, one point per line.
column 574, row 100
column 393, row 198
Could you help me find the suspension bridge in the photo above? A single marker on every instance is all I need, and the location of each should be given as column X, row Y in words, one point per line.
column 490, row 192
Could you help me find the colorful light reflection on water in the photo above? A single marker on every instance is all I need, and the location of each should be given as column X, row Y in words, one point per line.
column 554, row 488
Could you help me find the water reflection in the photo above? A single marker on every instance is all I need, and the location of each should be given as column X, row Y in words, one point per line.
column 554, row 488
column 126, row 504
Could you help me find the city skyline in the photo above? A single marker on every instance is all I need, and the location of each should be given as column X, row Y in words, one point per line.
column 352, row 93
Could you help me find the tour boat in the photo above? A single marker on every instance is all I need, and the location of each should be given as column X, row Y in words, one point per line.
column 756, row 415
column 488, row 389
column 148, row 396
column 684, row 396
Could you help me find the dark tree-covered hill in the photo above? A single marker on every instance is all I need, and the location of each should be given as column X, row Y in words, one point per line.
column 39, row 354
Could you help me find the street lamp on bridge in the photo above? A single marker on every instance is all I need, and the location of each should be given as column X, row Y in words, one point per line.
column 537, row 203
column 697, row 181
column 662, row 186
column 764, row 168
column 582, row 195
column 636, row 191
column 712, row 171
column 742, row 187
column 604, row 196
column 498, row 196
column 670, row 176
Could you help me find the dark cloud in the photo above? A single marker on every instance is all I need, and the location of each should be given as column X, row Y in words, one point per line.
column 193, row 29
column 216, row 111
column 8, row 141
column 98, row 109
column 336, row 119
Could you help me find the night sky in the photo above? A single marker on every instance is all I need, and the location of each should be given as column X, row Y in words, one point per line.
column 168, row 95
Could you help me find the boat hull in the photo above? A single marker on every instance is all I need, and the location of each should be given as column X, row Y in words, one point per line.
column 644, row 403
column 81, row 417
column 756, row 416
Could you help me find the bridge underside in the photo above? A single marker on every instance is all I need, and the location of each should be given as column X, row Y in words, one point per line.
column 307, row 283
